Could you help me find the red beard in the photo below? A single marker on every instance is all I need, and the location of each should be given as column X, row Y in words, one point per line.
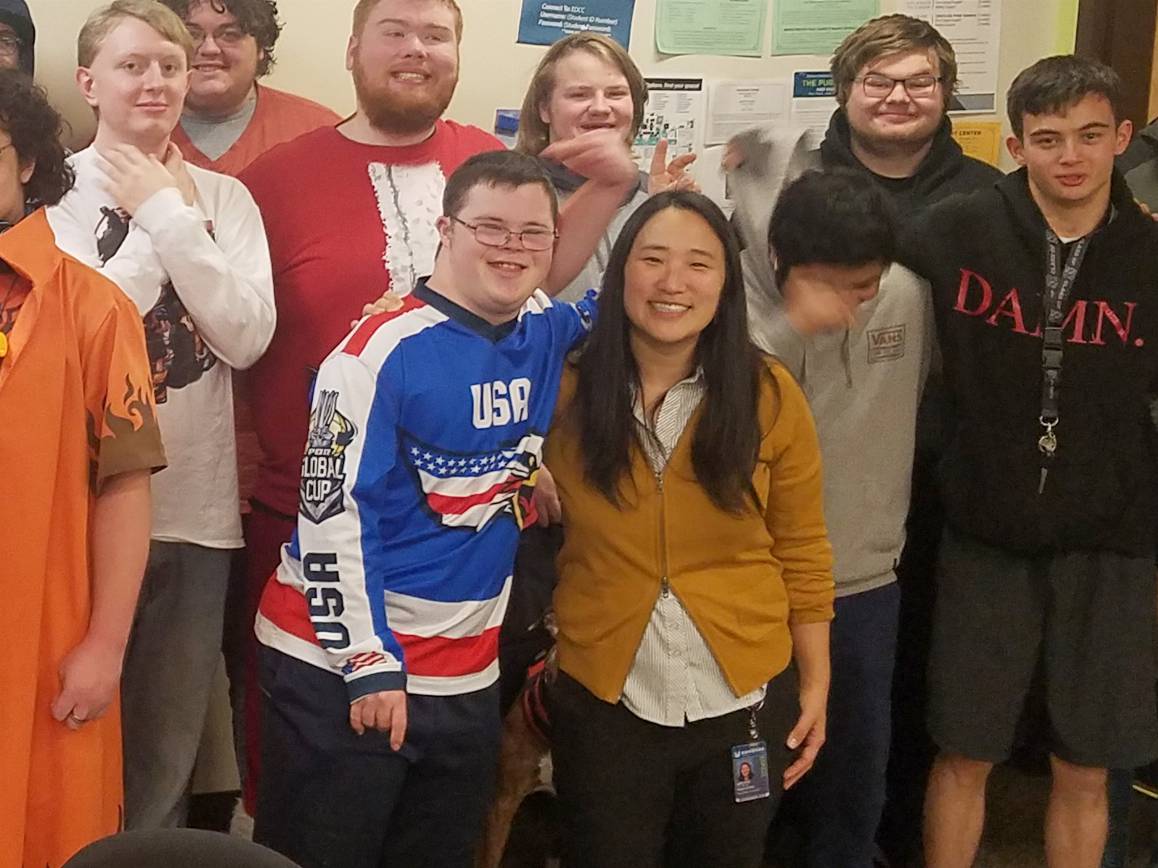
column 402, row 114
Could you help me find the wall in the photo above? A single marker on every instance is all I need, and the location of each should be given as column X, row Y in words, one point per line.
column 495, row 70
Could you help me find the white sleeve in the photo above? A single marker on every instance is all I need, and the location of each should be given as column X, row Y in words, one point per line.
column 135, row 267
column 221, row 272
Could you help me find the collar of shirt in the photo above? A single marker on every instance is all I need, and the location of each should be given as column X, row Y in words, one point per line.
column 675, row 410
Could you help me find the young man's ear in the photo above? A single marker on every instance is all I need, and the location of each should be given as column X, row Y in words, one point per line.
column 443, row 224
column 27, row 170
column 1016, row 149
column 1124, row 133
column 86, row 85
column 351, row 50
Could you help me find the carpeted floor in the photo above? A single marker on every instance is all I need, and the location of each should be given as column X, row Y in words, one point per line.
column 1012, row 833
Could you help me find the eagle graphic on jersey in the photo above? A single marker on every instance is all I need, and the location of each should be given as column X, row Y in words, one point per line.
column 470, row 491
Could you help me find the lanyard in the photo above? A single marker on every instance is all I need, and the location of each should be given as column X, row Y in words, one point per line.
column 1059, row 283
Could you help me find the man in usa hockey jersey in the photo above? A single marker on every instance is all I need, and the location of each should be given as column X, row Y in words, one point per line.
column 380, row 628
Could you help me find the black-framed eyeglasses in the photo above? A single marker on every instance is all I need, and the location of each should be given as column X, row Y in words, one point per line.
column 10, row 44
column 877, row 86
column 491, row 235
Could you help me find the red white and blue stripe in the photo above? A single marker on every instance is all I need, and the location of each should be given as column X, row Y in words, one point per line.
column 425, row 440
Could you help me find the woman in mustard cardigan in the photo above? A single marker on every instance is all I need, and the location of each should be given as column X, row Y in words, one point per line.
column 695, row 588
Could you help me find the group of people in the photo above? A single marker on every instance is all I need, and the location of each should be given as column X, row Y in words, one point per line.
column 751, row 429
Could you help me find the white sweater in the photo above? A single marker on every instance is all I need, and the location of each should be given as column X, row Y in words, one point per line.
column 201, row 278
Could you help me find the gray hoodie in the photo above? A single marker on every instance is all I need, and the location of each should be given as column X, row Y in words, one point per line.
column 863, row 384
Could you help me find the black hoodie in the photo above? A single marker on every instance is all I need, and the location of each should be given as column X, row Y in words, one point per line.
column 15, row 14
column 944, row 172
column 985, row 257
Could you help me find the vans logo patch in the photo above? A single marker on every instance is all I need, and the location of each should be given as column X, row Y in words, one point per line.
column 886, row 345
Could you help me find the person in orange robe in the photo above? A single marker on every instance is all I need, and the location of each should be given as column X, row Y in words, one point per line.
column 78, row 441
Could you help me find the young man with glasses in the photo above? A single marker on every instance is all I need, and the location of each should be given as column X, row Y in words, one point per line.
column 230, row 119
column 862, row 363
column 380, row 628
column 351, row 213
column 17, row 37
column 187, row 247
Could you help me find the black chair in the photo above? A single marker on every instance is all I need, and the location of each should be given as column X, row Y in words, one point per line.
column 176, row 848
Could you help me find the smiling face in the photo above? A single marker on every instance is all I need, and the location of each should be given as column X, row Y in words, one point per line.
column 673, row 279
column 405, row 64
column 495, row 282
column 898, row 119
column 225, row 65
column 1070, row 155
column 590, row 93
column 137, row 82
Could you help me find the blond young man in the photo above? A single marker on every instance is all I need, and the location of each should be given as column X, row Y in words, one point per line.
column 188, row 248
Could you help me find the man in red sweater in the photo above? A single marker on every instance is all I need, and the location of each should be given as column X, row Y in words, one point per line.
column 350, row 214
column 230, row 120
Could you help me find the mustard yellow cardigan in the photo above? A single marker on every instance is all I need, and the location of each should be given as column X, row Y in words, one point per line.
column 742, row 578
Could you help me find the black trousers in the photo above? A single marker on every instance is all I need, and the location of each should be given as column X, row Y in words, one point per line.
column 636, row 794
column 329, row 798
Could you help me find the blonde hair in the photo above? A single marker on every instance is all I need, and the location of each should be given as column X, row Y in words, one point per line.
column 362, row 12
column 888, row 35
column 158, row 16
column 534, row 134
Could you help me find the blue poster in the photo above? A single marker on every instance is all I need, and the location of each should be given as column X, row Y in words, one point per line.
column 544, row 22
column 806, row 84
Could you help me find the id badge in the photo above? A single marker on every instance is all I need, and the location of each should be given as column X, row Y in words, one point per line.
column 750, row 771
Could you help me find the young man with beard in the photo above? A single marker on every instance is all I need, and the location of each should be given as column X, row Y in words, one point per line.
column 380, row 628
column 1044, row 293
column 895, row 78
column 187, row 247
column 230, row 119
column 350, row 214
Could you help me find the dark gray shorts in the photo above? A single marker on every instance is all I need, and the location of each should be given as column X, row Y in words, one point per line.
column 1084, row 622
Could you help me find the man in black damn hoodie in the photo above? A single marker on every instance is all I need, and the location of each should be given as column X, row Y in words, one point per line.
column 1045, row 291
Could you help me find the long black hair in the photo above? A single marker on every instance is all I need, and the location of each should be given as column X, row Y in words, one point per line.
column 727, row 437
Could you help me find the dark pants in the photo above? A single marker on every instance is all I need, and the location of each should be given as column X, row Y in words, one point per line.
column 639, row 795
column 839, row 802
column 912, row 750
column 168, row 678
column 1121, row 794
column 265, row 533
column 330, row 798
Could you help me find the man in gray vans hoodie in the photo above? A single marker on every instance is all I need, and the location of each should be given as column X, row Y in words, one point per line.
column 894, row 78
column 857, row 333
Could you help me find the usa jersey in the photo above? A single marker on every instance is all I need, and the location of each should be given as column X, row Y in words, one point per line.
column 425, row 439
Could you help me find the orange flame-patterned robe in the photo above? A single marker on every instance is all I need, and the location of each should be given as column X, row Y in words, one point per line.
column 76, row 408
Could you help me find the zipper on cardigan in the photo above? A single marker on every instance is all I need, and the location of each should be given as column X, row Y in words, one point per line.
column 665, row 585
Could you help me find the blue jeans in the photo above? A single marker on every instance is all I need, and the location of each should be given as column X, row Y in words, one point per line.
column 840, row 800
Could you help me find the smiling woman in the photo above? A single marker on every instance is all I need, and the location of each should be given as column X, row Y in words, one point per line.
column 695, row 563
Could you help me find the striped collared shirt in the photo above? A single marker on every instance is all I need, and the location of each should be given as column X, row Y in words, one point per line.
column 674, row 677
